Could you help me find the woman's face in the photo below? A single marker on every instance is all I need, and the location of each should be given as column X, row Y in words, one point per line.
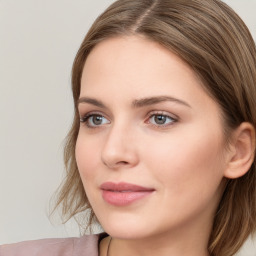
column 150, row 148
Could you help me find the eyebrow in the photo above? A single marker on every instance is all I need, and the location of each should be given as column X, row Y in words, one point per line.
column 158, row 99
column 91, row 101
column 136, row 103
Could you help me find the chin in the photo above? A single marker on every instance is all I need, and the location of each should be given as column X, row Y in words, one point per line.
column 124, row 227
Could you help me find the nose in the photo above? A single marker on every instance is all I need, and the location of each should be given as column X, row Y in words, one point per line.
column 120, row 150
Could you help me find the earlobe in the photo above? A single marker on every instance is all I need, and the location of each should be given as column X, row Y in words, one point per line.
column 242, row 155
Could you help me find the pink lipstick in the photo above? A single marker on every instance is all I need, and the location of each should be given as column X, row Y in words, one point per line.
column 122, row 194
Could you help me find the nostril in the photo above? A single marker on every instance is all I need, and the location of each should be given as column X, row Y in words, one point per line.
column 122, row 162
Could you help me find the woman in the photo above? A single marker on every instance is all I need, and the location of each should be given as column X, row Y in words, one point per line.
column 161, row 151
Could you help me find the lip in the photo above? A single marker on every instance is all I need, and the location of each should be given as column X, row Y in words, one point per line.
column 122, row 194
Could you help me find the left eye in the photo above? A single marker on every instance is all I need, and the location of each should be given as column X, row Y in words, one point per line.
column 94, row 120
column 159, row 119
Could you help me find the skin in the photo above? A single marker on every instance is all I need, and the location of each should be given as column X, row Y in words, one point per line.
column 184, row 160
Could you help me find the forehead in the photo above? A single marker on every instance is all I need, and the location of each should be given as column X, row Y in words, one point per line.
column 136, row 49
column 133, row 60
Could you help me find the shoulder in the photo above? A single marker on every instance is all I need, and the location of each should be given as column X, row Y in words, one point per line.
column 83, row 246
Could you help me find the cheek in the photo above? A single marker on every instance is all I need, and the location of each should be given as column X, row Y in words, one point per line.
column 189, row 174
column 87, row 153
column 87, row 156
column 185, row 162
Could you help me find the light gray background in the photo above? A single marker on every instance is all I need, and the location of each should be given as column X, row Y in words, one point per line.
column 38, row 41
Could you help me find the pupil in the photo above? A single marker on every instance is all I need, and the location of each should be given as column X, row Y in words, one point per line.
column 97, row 120
column 160, row 119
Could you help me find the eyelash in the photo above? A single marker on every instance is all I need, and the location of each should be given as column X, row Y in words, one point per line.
column 85, row 119
column 162, row 114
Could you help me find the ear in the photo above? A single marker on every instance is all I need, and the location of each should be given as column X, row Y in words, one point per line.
column 242, row 151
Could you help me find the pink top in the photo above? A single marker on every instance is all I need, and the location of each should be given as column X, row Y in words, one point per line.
column 84, row 246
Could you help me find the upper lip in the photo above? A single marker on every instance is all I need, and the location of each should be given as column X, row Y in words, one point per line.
column 123, row 187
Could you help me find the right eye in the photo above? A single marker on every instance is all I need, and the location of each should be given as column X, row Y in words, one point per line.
column 94, row 120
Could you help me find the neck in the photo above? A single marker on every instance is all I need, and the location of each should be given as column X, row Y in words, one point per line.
column 180, row 242
column 163, row 246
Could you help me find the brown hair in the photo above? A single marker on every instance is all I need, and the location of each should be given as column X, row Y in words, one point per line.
column 214, row 41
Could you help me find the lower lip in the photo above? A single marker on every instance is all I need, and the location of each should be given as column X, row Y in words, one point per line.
column 123, row 198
